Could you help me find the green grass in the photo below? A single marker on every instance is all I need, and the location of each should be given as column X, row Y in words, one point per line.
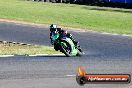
column 11, row 49
column 102, row 19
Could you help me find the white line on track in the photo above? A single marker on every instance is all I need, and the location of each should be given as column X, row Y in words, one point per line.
column 6, row 55
column 105, row 33
column 39, row 55
column 73, row 75
column 127, row 35
column 33, row 55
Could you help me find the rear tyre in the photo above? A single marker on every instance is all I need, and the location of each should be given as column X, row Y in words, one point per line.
column 79, row 53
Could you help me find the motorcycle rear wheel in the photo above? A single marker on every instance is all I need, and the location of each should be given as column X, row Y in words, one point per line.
column 79, row 53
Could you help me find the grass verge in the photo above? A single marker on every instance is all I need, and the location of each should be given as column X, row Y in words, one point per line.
column 102, row 19
column 12, row 49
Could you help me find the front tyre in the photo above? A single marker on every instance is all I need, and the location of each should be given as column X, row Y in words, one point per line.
column 66, row 48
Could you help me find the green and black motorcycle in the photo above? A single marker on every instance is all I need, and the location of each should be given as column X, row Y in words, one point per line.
column 65, row 45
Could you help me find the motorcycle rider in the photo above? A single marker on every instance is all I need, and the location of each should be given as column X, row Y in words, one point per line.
column 63, row 33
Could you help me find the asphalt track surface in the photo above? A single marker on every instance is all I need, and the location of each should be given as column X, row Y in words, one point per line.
column 103, row 54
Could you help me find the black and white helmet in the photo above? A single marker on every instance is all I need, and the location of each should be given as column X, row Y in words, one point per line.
column 53, row 27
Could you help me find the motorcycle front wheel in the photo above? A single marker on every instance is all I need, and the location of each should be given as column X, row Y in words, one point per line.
column 66, row 48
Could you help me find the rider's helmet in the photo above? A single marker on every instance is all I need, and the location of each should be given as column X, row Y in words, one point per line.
column 53, row 27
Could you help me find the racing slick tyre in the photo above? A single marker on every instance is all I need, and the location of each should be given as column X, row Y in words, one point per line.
column 80, row 52
column 66, row 48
